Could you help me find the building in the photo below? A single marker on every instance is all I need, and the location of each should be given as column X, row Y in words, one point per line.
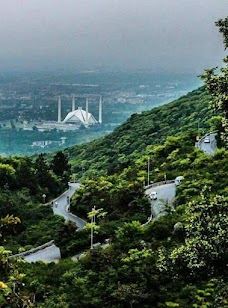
column 72, row 122
column 80, row 117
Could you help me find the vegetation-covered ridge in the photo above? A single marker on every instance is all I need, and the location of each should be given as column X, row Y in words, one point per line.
column 26, row 185
column 116, row 151
column 155, row 266
column 178, row 260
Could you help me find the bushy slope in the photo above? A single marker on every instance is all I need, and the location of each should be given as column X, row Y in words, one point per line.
column 114, row 152
column 178, row 260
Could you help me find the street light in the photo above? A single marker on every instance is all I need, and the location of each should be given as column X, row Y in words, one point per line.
column 68, row 203
column 148, row 171
column 68, row 197
column 198, row 124
column 92, row 223
column 198, row 129
column 44, row 197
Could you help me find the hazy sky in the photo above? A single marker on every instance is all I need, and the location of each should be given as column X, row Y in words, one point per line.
column 148, row 34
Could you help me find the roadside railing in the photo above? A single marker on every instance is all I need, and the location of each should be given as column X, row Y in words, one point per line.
column 201, row 140
column 159, row 183
column 48, row 244
column 33, row 250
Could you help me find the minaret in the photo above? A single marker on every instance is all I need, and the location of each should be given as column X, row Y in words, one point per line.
column 59, row 109
column 100, row 111
column 87, row 110
column 73, row 103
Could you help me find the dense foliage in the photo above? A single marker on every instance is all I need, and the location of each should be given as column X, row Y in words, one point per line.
column 116, row 151
column 216, row 84
column 26, row 185
column 178, row 260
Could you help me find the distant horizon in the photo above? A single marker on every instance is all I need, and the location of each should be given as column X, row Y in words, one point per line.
column 91, row 71
column 130, row 35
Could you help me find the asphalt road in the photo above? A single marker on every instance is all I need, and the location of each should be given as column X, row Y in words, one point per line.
column 209, row 147
column 52, row 253
column 49, row 254
column 165, row 194
column 63, row 204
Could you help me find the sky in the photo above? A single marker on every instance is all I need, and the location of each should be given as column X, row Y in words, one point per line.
column 173, row 35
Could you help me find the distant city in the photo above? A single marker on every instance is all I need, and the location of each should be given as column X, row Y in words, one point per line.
column 41, row 112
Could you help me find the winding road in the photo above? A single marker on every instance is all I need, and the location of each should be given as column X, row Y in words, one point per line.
column 63, row 206
column 52, row 252
column 208, row 147
column 49, row 254
column 165, row 194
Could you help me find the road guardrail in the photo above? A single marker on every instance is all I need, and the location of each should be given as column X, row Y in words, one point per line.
column 159, row 183
column 30, row 251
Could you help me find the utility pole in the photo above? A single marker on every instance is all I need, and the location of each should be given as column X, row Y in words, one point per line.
column 44, row 198
column 92, row 223
column 198, row 126
column 148, row 171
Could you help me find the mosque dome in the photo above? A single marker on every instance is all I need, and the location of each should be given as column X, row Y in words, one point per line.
column 79, row 116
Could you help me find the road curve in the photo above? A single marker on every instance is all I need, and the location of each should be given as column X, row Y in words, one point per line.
column 52, row 253
column 63, row 205
column 165, row 194
column 208, row 147
column 48, row 254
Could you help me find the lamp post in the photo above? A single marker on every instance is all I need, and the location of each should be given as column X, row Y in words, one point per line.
column 68, row 203
column 198, row 127
column 44, row 197
column 148, row 171
column 92, row 223
column 69, row 194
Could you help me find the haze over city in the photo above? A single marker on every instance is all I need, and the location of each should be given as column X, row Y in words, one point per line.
column 177, row 35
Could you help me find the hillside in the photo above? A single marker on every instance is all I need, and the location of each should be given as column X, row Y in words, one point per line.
column 159, row 265
column 177, row 259
column 115, row 151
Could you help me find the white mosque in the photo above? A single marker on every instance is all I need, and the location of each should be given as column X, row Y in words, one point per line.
column 73, row 120
column 79, row 116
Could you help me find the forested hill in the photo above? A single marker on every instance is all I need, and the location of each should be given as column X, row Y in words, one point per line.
column 115, row 151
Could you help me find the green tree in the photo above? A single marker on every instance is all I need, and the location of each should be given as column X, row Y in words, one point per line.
column 42, row 170
column 204, row 252
column 217, row 84
column 12, row 293
column 45, row 178
column 60, row 166
column 25, row 175
column 7, row 175
column 129, row 235
column 64, row 234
